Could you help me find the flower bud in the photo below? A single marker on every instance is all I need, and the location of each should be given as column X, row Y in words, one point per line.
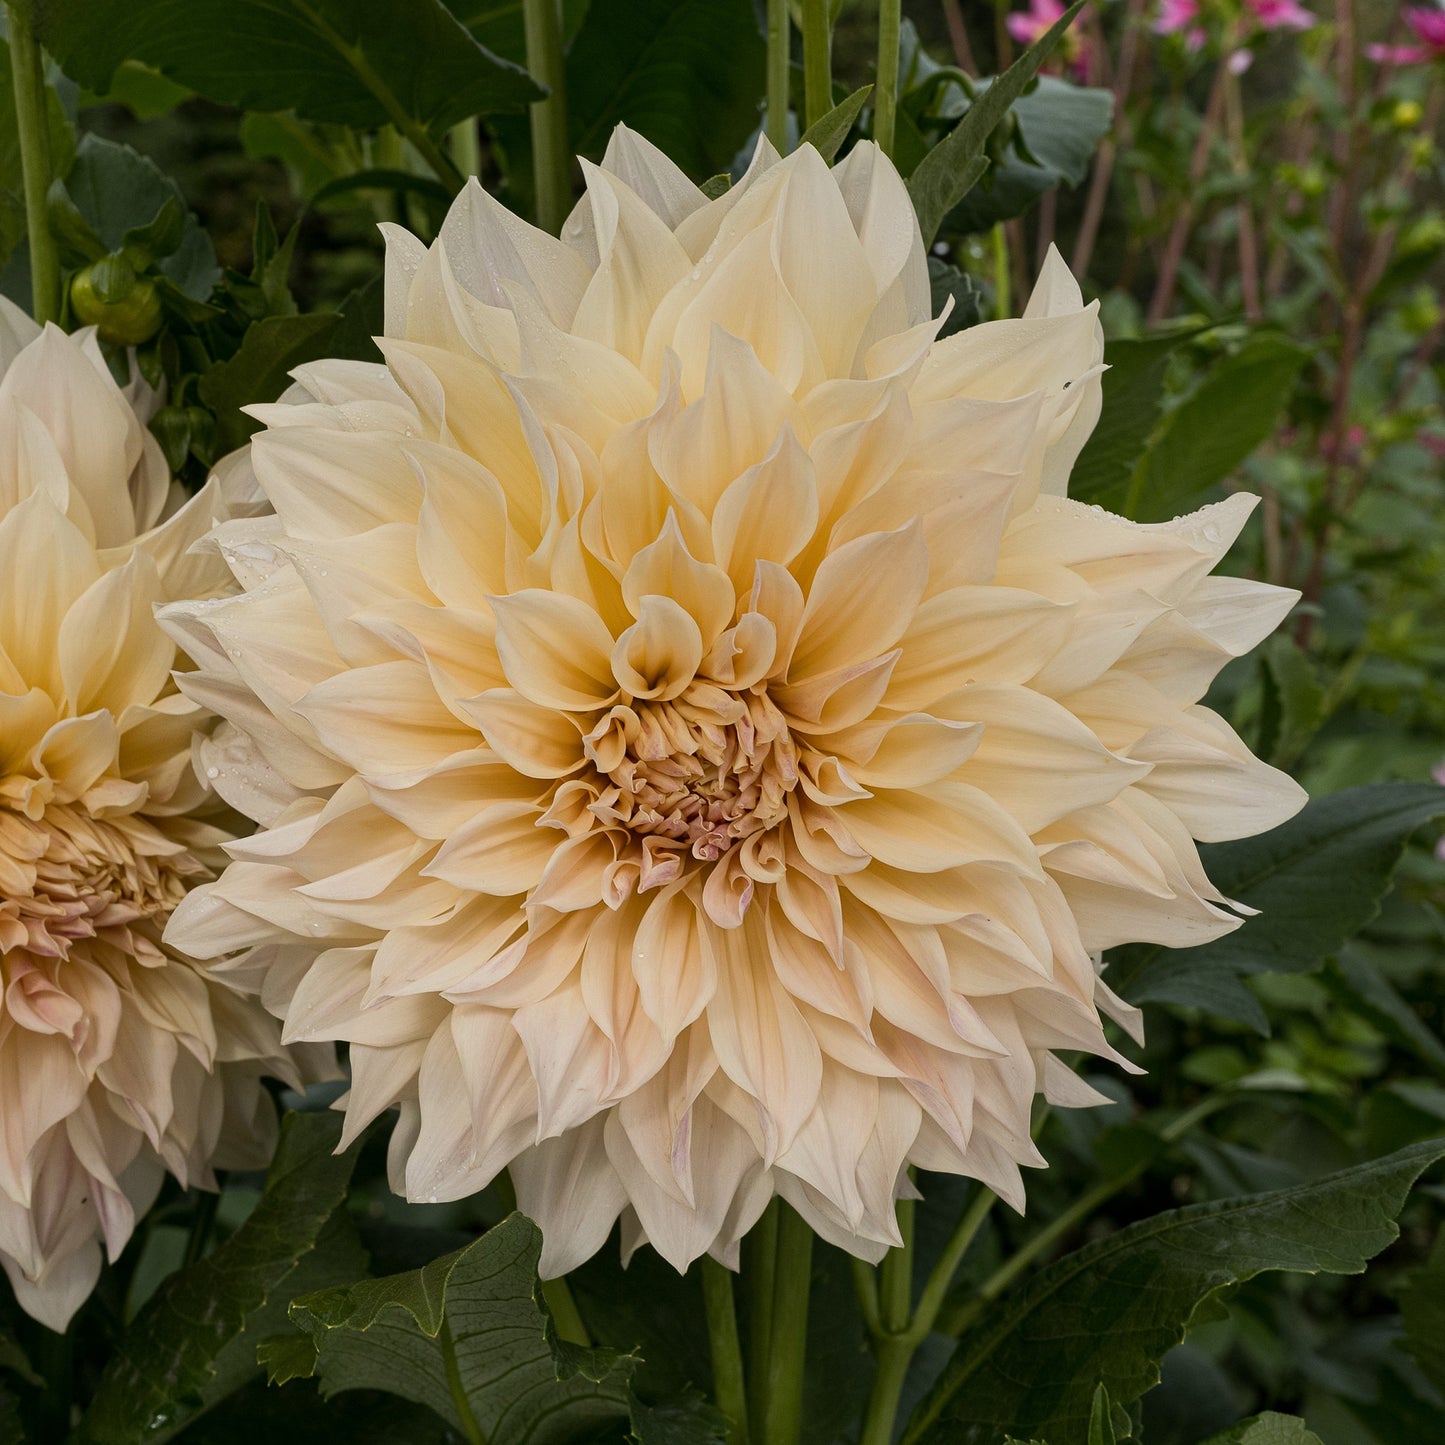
column 1407, row 114
column 122, row 306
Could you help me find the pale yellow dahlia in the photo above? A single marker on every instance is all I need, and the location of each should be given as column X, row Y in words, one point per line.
column 698, row 747
column 119, row 1060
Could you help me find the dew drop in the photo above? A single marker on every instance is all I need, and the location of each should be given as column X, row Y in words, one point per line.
column 213, row 772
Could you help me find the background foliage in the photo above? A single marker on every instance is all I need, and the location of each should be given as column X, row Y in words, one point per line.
column 1259, row 208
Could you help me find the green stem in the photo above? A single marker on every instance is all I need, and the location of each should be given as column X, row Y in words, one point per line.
column 1003, row 301
column 416, row 133
column 565, row 1314
column 817, row 67
column 551, row 164
column 761, row 1268
column 32, row 124
column 779, row 36
column 792, row 1281
column 935, row 1291
column 1075, row 1214
column 895, row 1276
column 465, row 144
column 895, row 1354
column 729, row 1387
column 53, row 1356
column 865, row 1285
column 885, row 96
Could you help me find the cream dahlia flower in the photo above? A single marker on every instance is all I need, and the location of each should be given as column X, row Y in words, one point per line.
column 698, row 746
column 119, row 1060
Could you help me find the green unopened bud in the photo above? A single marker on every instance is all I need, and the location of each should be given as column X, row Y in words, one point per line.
column 123, row 307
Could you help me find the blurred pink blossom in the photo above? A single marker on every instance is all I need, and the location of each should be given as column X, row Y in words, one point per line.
column 1180, row 15
column 1027, row 26
column 1281, row 14
column 1428, row 23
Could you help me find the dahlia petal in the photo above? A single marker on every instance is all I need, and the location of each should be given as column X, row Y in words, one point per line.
column 569, row 1186
column 555, row 650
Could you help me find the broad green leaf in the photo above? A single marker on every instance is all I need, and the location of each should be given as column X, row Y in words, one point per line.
column 118, row 192
column 1202, row 440
column 470, row 1337
column 1317, row 879
column 1358, row 982
column 1266, row 1429
column 1422, row 1307
column 946, row 280
column 363, row 63
column 1294, row 701
column 1059, row 128
column 829, row 131
column 684, row 73
column 687, row 1420
column 1110, row 1312
column 498, row 23
column 1133, row 402
column 173, row 1356
column 944, row 175
column 258, row 371
column 15, row 1360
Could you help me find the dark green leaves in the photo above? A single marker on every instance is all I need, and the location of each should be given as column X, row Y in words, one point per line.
column 467, row 1336
column 1059, row 128
column 685, row 73
column 1317, row 880
column 1202, row 440
column 1110, row 1312
column 362, row 63
column 200, row 1330
column 1266, row 1429
column 944, row 176
column 1133, row 403
column 828, row 132
column 1423, row 1310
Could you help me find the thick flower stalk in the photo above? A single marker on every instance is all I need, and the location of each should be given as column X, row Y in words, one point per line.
column 119, row 1059
column 698, row 748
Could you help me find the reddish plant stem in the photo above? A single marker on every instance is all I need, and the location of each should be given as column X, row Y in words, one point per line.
column 958, row 37
column 1244, row 212
column 1168, row 278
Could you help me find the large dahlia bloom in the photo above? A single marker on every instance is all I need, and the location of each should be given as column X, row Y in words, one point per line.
column 698, row 746
column 119, row 1060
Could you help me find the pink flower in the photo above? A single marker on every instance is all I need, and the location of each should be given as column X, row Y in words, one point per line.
column 1281, row 14
column 1177, row 16
column 1428, row 23
column 1026, row 26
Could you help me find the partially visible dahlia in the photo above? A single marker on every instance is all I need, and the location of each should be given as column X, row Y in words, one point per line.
column 697, row 745
column 119, row 1060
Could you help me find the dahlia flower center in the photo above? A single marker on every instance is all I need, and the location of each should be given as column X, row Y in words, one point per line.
column 702, row 771
column 67, row 876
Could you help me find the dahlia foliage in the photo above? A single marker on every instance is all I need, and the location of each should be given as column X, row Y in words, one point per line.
column 699, row 750
column 119, row 1058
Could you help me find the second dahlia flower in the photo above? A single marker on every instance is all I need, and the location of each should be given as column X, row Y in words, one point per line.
column 119, row 1059
column 698, row 747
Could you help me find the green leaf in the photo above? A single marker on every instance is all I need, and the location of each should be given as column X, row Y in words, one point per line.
column 118, row 193
column 829, row 131
column 1133, row 402
column 1422, row 1307
column 1266, row 1429
column 686, row 1420
column 944, row 175
column 1317, row 879
column 470, row 1337
column 14, row 1359
column 258, row 371
column 1111, row 1311
column 173, row 1358
column 1294, row 701
column 363, row 63
column 1202, row 440
column 1059, row 129
column 684, row 73
column 946, row 280
column 1101, row 1421
column 12, row 1426
column 1356, row 981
